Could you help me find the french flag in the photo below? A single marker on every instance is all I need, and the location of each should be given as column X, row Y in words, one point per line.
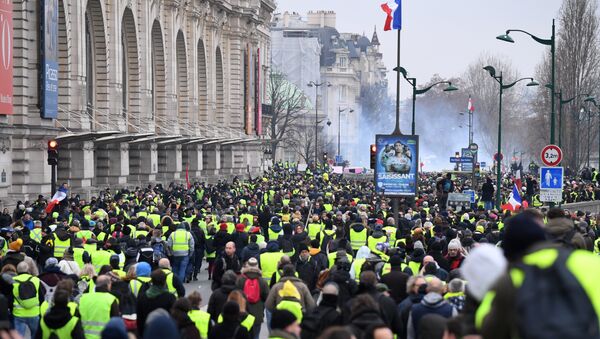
column 59, row 196
column 514, row 201
column 470, row 106
column 392, row 21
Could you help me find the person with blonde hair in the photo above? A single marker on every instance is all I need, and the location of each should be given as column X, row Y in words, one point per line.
column 88, row 275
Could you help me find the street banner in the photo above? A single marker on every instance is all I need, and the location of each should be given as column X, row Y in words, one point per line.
column 49, row 47
column 6, row 58
column 396, row 168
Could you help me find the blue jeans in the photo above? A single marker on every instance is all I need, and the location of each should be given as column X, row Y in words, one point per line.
column 179, row 266
column 21, row 324
column 488, row 205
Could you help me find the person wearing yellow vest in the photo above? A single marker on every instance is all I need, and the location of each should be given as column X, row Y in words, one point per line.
column 246, row 319
column 231, row 325
column 62, row 241
column 530, row 256
column 200, row 318
column 396, row 279
column 97, row 308
column 37, row 233
column 174, row 285
column 181, row 243
column 284, row 325
column 156, row 296
column 358, row 236
column 293, row 291
column 270, row 259
column 362, row 255
column 28, row 294
column 275, row 230
column 314, row 227
column 378, row 236
column 60, row 319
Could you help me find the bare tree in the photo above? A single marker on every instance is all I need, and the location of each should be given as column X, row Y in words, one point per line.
column 578, row 72
column 287, row 104
column 301, row 139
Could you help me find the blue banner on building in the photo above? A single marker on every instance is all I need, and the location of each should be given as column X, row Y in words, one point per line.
column 49, row 47
column 396, row 169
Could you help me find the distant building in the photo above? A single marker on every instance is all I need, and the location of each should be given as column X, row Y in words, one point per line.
column 348, row 61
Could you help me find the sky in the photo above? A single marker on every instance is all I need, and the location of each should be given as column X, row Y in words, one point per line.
column 443, row 37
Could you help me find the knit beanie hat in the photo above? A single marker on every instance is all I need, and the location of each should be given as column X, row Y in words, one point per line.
column 481, row 268
column 454, row 244
column 282, row 319
column 16, row 245
column 521, row 231
column 142, row 269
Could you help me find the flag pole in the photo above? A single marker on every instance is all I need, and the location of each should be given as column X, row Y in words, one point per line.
column 397, row 129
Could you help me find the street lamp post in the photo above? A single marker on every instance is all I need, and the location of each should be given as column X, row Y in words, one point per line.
column 492, row 71
column 340, row 110
column 415, row 91
column 548, row 42
column 317, row 85
column 562, row 102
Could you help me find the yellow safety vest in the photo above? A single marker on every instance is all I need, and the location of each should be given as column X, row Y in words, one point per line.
column 78, row 256
column 391, row 230
column 36, row 235
column 358, row 263
column 100, row 258
column 274, row 235
column 63, row 332
column 170, row 286
column 268, row 263
column 45, row 306
column 202, row 320
column 314, row 229
column 29, row 307
column 180, row 240
column 136, row 284
column 331, row 258
column 60, row 246
column 372, row 242
column 247, row 323
column 84, row 234
column 358, row 239
column 293, row 306
column 94, row 309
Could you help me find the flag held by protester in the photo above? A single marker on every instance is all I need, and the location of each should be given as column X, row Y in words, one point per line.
column 514, row 201
column 59, row 196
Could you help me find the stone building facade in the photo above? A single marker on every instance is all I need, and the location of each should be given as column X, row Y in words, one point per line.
column 146, row 89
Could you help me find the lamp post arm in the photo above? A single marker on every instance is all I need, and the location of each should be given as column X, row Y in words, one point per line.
column 425, row 90
column 547, row 42
column 515, row 82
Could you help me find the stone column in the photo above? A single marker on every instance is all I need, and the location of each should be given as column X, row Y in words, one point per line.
column 211, row 158
column 143, row 163
column 76, row 165
column 193, row 157
column 227, row 159
column 112, row 164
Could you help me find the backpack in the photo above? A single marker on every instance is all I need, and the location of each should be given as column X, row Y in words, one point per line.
column 252, row 290
column 28, row 297
column 312, row 324
column 159, row 250
column 551, row 303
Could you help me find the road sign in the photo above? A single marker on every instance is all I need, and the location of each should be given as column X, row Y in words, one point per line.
column 339, row 159
column 468, row 153
column 551, row 184
column 459, row 200
column 461, row 160
column 471, row 194
column 496, row 157
column 482, row 164
column 473, row 147
column 551, row 155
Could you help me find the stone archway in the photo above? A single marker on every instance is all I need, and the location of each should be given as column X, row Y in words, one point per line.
column 219, row 88
column 182, row 80
column 158, row 77
column 97, row 98
column 130, row 71
column 203, row 115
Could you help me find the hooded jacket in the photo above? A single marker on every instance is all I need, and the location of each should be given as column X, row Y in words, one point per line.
column 306, row 299
column 252, row 250
column 561, row 228
column 257, row 309
column 151, row 299
column 432, row 303
column 59, row 317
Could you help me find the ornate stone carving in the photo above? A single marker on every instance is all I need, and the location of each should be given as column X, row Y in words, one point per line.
column 4, row 145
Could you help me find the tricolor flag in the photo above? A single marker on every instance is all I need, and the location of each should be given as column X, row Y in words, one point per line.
column 470, row 106
column 514, row 201
column 59, row 196
column 392, row 21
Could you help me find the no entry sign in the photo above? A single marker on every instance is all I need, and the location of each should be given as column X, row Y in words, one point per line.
column 551, row 155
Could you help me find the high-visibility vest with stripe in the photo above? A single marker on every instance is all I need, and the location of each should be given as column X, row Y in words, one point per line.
column 358, row 239
column 155, row 219
column 180, row 240
column 326, row 233
column 391, row 232
column 71, row 305
column 202, row 320
column 293, row 306
column 170, row 286
column 78, row 256
column 63, row 332
column 387, row 268
column 84, row 234
column 331, row 258
column 314, row 229
column 90, row 282
column 268, row 263
column 372, row 242
column 29, row 307
column 60, row 246
column 90, row 248
column 136, row 284
column 36, row 235
column 414, row 267
column 94, row 309
column 247, row 323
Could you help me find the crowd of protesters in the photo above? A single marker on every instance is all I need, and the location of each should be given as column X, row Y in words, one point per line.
column 309, row 254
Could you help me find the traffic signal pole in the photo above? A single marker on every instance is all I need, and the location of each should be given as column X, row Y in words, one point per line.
column 53, row 180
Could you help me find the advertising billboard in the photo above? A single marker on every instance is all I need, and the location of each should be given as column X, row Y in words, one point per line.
column 49, row 49
column 396, row 168
column 6, row 58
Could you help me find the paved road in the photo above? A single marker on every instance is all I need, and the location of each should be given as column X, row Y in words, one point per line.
column 203, row 286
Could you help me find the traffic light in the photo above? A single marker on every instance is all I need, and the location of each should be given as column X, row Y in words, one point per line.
column 52, row 152
column 373, row 150
column 324, row 156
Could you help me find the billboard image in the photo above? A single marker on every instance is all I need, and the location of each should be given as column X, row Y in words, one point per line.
column 49, row 74
column 397, row 164
column 6, row 58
